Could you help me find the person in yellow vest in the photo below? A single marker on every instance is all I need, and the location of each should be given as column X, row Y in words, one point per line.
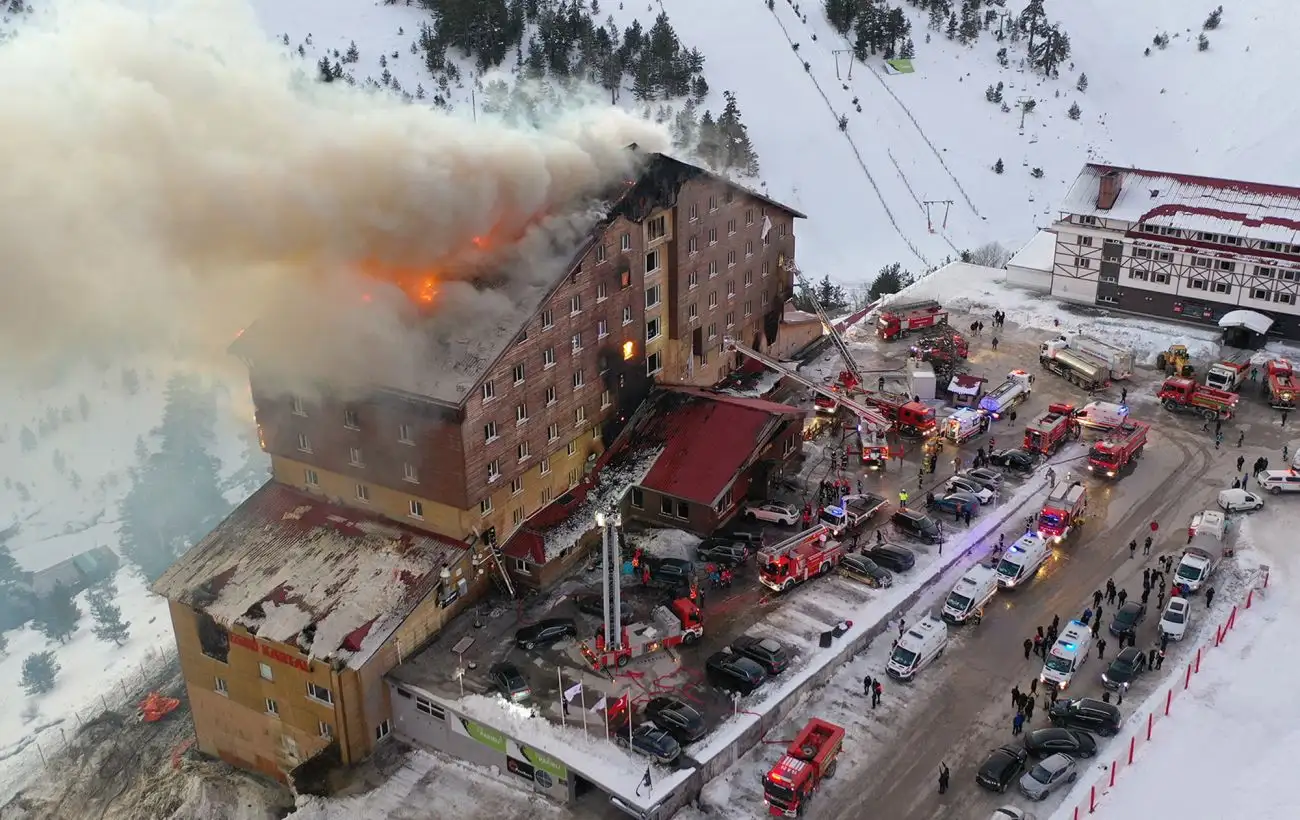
column 902, row 499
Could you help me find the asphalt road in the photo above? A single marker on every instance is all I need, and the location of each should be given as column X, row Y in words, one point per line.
column 970, row 711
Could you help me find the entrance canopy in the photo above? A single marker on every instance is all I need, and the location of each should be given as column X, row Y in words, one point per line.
column 1249, row 319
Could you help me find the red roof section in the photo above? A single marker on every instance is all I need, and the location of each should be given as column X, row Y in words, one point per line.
column 707, row 439
column 967, row 380
column 1209, row 182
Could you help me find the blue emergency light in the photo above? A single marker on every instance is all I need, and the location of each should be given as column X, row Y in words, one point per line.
column 1016, row 549
column 838, row 512
column 1068, row 646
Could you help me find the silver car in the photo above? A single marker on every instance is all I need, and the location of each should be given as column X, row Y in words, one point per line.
column 1010, row 813
column 1047, row 775
column 985, row 477
column 961, row 484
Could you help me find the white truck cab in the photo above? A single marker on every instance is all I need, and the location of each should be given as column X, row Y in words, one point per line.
column 1103, row 415
column 1067, row 655
column 970, row 594
column 1022, row 559
column 1208, row 522
column 919, row 646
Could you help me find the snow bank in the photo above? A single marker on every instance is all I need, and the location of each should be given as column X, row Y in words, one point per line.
column 665, row 543
column 613, row 482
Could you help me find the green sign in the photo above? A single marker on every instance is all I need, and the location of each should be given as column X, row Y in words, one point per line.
column 901, row 65
column 545, row 762
column 488, row 737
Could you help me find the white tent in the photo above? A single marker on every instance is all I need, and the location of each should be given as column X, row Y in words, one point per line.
column 1249, row 319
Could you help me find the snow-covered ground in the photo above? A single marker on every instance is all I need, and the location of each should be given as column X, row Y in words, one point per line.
column 1233, row 727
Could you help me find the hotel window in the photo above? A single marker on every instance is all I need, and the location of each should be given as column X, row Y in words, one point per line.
column 692, row 279
column 493, row 470
column 1261, row 294
column 1284, row 298
column 489, row 391
column 1198, row 284
column 552, row 432
column 692, row 245
column 606, row 399
column 489, row 432
column 1164, row 256
column 657, row 228
column 272, row 708
column 713, row 269
column 516, row 485
column 1286, row 275
column 713, row 299
column 627, row 314
column 731, row 259
column 354, row 457
column 550, row 395
column 578, row 379
column 652, row 261
column 310, row 478
column 264, row 670
column 548, row 357
column 602, row 329
column 654, row 363
column 1200, row 262
column 694, row 211
column 602, row 292
column 304, row 443
column 652, row 330
column 1263, row 272
column 579, row 415
column 319, row 693
column 363, row 493
column 731, row 227
column 350, row 420
column 1142, row 253
column 1221, row 287
column 485, row 506
column 1225, row 265
column 652, row 297
column 544, row 466
column 749, row 216
column 404, row 435
column 220, row 687
column 410, row 473
column 299, row 409
column 1085, row 241
column 548, row 319
column 576, row 341
column 517, row 517
column 523, row 451
column 692, row 311
column 1082, row 262
column 713, row 236
column 415, row 509
column 517, row 372
column 1159, row 278
column 600, row 254
column 625, row 242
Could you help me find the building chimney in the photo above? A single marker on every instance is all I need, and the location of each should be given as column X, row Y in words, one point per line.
column 1108, row 190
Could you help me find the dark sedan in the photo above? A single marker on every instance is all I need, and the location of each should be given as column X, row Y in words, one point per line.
column 653, row 742
column 545, row 633
column 767, row 653
column 861, row 568
column 1128, row 618
column 892, row 557
column 1002, row 767
column 510, row 682
column 1015, row 460
column 1047, row 742
column 723, row 552
column 683, row 722
column 957, row 504
column 1125, row 668
column 589, row 603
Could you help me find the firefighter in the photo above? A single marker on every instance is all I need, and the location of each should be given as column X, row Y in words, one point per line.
column 902, row 499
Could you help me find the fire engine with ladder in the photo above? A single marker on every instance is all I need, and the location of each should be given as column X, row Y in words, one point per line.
column 897, row 319
column 681, row 622
column 809, row 554
column 810, row 758
column 1119, row 449
column 1282, row 387
column 1050, row 429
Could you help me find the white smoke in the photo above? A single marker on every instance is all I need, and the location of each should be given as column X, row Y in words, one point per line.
column 170, row 177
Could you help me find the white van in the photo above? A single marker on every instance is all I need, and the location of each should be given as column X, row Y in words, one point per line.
column 1103, row 415
column 1279, row 481
column 920, row 645
column 970, row 594
column 1022, row 559
column 1070, row 652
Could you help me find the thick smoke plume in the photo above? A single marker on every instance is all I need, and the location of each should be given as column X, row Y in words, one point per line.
column 170, row 176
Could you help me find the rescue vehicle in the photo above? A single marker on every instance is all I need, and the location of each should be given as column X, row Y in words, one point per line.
column 795, row 560
column 1230, row 372
column 1118, row 360
column 1050, row 429
column 1102, row 415
column 1179, row 395
column 1071, row 651
column 681, row 622
column 1119, row 449
column 1074, row 366
column 898, row 319
column 1062, row 511
column 810, row 758
column 1007, row 395
column 1021, row 560
column 963, row 424
column 1282, row 387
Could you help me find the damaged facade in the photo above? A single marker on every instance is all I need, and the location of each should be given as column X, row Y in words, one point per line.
column 384, row 511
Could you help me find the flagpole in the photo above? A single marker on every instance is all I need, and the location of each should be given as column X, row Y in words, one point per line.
column 606, row 713
column 582, row 695
column 559, row 674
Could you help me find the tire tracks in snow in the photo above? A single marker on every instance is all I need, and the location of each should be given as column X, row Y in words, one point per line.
column 861, row 162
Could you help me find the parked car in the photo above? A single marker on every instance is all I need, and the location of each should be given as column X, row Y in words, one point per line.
column 1001, row 767
column 917, row 525
column 892, row 557
column 753, row 540
column 1124, row 668
column 683, row 722
column 1018, row 461
column 1238, row 500
column 863, row 569
column 984, row 476
column 1076, row 743
column 589, row 603
column 723, row 552
column 766, row 652
column 1047, row 776
column 1010, row 813
column 1128, row 618
column 774, row 512
column 961, row 484
column 1177, row 614
column 653, row 742
column 958, row 503
column 671, row 572
column 545, row 632
column 1088, row 714
column 510, row 682
column 733, row 672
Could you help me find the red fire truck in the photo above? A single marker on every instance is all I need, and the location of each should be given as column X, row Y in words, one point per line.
column 809, row 554
column 811, row 758
column 1282, row 387
column 679, row 623
column 912, row 418
column 1049, row 430
column 1181, row 395
column 901, row 318
column 1063, row 511
column 1119, row 449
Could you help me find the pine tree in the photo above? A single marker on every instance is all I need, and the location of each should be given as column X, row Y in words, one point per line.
column 324, row 71
column 938, row 14
column 889, row 280
column 908, row 51
column 1202, row 43
column 998, row 166
column 643, row 80
column 1053, row 49
column 840, row 14
column 4, row 645
column 352, row 54
column 1082, row 84
column 1075, row 112
column 57, row 614
column 1031, row 19
column 39, row 671
column 1212, row 22
column 16, row 602
column 951, row 31
column 710, row 143
column 109, row 626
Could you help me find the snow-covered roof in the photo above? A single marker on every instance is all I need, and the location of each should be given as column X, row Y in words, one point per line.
column 964, row 384
column 1037, row 254
column 293, row 568
column 1249, row 319
column 794, row 315
column 1223, row 206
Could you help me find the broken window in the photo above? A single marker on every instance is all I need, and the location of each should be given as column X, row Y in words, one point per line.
column 214, row 640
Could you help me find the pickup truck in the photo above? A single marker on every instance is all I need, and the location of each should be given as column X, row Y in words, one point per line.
column 855, row 511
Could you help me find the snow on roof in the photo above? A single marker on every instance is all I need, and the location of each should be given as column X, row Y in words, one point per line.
column 964, row 384
column 607, row 489
column 1038, row 253
column 1244, row 209
column 1249, row 319
column 665, row 543
column 794, row 315
column 284, row 561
